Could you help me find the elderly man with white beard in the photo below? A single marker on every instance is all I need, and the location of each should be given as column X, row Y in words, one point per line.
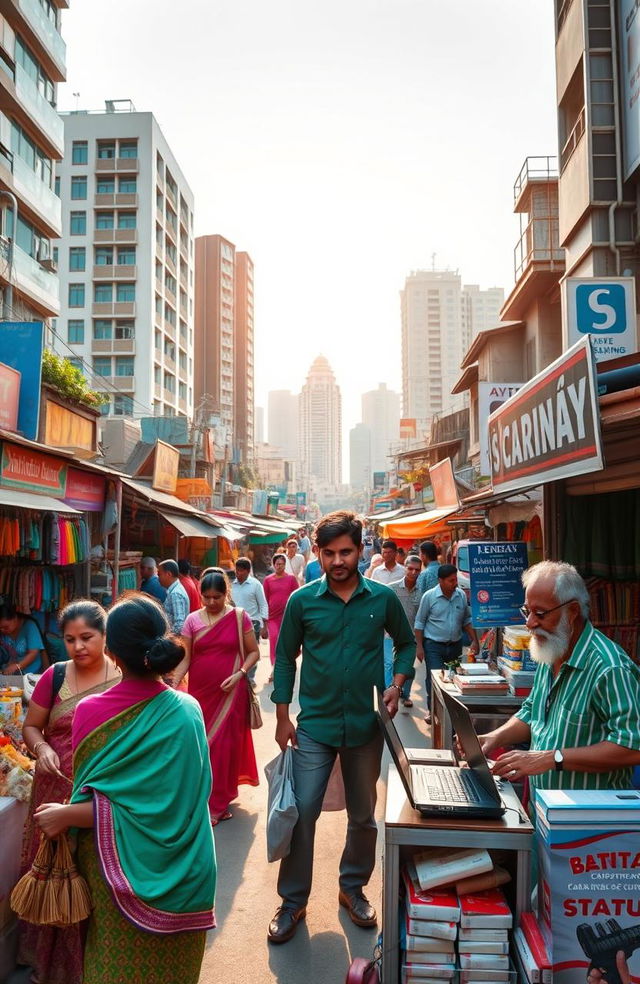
column 582, row 718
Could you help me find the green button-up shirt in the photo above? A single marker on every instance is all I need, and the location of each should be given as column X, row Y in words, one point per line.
column 595, row 697
column 342, row 649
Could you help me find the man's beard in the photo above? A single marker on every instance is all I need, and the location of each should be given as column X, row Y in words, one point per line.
column 553, row 645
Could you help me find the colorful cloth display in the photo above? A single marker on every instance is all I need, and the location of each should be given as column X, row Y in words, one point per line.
column 41, row 589
column 45, row 537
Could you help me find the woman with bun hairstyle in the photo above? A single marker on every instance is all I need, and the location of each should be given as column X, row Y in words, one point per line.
column 214, row 639
column 141, row 784
column 55, row 954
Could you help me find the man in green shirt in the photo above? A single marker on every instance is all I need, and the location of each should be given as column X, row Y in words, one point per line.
column 582, row 718
column 340, row 622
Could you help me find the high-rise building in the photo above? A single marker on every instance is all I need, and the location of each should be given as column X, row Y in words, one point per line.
column 440, row 318
column 282, row 422
column 32, row 55
column 360, row 457
column 320, row 406
column 243, row 361
column 259, row 425
column 381, row 414
column 125, row 261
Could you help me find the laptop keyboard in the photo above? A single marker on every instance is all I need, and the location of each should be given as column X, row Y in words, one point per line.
column 449, row 786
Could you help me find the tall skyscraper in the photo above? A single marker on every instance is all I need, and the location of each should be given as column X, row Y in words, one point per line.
column 126, row 261
column 381, row 414
column 31, row 141
column 360, row 457
column 283, row 422
column 213, row 378
column 440, row 319
column 243, row 361
column 320, row 406
column 259, row 426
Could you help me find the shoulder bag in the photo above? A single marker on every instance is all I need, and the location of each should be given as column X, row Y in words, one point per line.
column 255, row 714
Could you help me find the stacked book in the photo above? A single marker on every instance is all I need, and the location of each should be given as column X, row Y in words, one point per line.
column 481, row 683
column 515, row 648
column 520, row 682
column 532, row 951
column 483, row 941
column 430, row 923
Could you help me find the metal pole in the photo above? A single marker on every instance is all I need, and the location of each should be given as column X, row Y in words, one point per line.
column 8, row 296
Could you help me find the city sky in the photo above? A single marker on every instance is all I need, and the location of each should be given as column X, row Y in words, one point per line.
column 340, row 144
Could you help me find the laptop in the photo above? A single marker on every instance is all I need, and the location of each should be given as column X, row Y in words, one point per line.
column 449, row 791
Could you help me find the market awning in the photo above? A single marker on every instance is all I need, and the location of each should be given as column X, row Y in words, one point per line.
column 30, row 500
column 414, row 527
column 192, row 526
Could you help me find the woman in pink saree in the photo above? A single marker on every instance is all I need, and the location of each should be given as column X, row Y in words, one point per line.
column 220, row 649
column 55, row 955
column 278, row 588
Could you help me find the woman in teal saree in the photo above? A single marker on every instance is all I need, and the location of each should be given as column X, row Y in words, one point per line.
column 141, row 786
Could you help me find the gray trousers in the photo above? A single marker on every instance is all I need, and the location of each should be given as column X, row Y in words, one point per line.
column 312, row 765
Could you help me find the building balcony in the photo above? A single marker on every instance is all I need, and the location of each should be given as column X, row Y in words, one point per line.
column 30, row 102
column 572, row 141
column 40, row 200
column 112, row 309
column 171, row 195
column 170, row 330
column 171, row 265
column 534, row 172
column 117, row 200
column 183, row 276
column 41, row 32
column 126, row 384
column 169, row 364
column 128, row 236
column 160, row 217
column 539, row 246
column 118, row 271
column 159, row 285
column 171, row 232
column 168, row 396
column 109, row 165
column 38, row 285
column 113, row 346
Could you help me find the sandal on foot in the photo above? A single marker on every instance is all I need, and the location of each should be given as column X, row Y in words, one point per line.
column 225, row 816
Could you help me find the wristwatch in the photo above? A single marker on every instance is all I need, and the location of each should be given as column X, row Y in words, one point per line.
column 558, row 758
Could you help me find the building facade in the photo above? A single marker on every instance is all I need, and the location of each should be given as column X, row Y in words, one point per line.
column 282, row 411
column 33, row 56
column 381, row 414
column 360, row 458
column 126, row 262
column 244, row 362
column 320, row 413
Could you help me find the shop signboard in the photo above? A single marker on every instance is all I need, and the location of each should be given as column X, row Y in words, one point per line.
column 550, row 428
column 21, row 344
column 408, row 428
column 443, row 483
column 85, row 490
column 604, row 308
column 378, row 479
column 629, row 48
column 165, row 467
column 66, row 429
column 31, row 471
column 495, row 574
column 9, row 397
column 490, row 397
column 301, row 504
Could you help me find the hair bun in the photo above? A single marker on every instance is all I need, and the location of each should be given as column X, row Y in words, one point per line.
column 163, row 654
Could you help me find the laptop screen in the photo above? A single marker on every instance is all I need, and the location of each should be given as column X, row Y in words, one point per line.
column 395, row 745
column 463, row 727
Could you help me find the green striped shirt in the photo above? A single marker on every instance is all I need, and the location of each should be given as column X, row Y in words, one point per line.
column 595, row 697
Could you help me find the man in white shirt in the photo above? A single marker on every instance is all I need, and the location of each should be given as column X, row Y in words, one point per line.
column 304, row 544
column 295, row 561
column 248, row 593
column 389, row 570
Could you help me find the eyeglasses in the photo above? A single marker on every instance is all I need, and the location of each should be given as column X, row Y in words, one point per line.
column 526, row 612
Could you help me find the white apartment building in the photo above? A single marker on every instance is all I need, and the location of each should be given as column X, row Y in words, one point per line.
column 381, row 414
column 320, row 412
column 126, row 262
column 33, row 61
column 360, row 458
column 282, row 409
column 440, row 318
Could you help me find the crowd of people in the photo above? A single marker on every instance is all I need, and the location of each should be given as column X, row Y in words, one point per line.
column 172, row 666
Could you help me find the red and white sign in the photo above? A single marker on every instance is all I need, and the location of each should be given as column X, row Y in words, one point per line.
column 85, row 491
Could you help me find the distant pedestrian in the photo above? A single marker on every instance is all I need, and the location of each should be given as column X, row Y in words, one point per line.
column 189, row 585
column 295, row 561
column 304, row 544
column 376, row 560
column 339, row 621
column 429, row 557
column 150, row 583
column 313, row 570
column 389, row 570
column 248, row 593
column 176, row 602
column 443, row 613
column 278, row 588
column 409, row 596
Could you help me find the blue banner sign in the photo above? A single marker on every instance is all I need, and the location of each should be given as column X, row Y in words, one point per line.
column 495, row 572
column 21, row 344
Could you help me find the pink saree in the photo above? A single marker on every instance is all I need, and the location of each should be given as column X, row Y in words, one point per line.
column 214, row 657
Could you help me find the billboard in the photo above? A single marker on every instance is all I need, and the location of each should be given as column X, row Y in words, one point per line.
column 407, row 428
column 604, row 308
column 21, row 344
column 490, row 397
column 629, row 41
column 9, row 397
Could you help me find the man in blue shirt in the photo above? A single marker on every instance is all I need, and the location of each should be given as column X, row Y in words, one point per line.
column 150, row 583
column 428, row 577
column 176, row 603
column 443, row 613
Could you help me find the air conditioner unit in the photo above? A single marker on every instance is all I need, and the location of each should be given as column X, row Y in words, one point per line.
column 49, row 265
column 43, row 252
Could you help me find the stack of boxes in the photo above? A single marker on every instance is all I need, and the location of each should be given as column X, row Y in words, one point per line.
column 516, row 664
column 428, row 930
column 483, row 941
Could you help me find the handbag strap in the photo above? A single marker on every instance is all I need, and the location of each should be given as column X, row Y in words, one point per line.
column 240, row 656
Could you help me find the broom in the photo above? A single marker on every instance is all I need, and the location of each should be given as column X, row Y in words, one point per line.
column 52, row 893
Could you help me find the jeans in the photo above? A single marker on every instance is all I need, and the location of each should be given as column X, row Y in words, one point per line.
column 436, row 654
column 312, row 765
column 388, row 669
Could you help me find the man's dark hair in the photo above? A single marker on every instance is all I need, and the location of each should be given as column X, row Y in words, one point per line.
column 184, row 566
column 446, row 570
column 389, row 543
column 170, row 566
column 339, row 523
column 243, row 563
column 429, row 549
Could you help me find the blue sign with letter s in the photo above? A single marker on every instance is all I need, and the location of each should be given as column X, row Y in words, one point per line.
column 601, row 308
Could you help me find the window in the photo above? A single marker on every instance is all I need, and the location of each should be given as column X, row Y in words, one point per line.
column 76, row 295
column 127, row 186
column 106, row 186
column 77, row 364
column 56, row 186
column 158, row 340
column 125, row 292
column 157, row 375
column 103, row 293
column 129, row 149
column 77, row 258
column 125, row 329
column 75, row 332
column 126, row 256
column 169, row 382
column 102, row 365
column 123, row 405
column 104, row 255
column 182, row 391
column 106, row 150
column 78, row 188
column 54, row 253
column 104, row 220
column 124, row 365
column 78, row 224
column 102, row 329
column 169, row 350
column 182, row 361
column 126, row 220
column 170, row 283
column 79, row 152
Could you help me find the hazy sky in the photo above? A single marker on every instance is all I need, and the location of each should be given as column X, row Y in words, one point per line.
column 340, row 144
